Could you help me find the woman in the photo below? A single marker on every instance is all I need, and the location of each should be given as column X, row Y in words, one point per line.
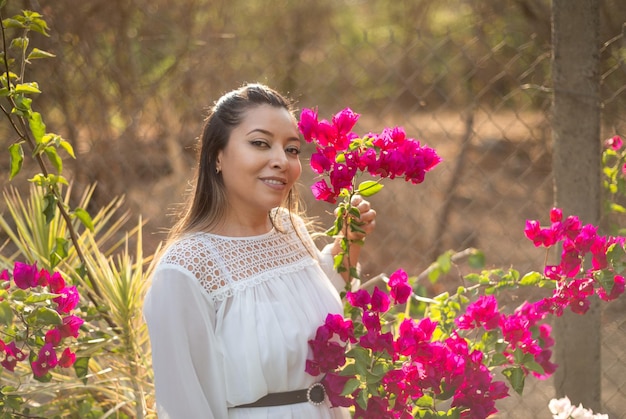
column 241, row 288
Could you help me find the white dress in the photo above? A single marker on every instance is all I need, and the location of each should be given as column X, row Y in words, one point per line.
column 230, row 319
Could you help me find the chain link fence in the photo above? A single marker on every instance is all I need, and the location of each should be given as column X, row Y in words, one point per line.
column 481, row 100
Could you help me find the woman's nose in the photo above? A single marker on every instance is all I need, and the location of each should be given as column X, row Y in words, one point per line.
column 279, row 159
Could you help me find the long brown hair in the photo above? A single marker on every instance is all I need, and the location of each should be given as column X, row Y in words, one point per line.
column 206, row 203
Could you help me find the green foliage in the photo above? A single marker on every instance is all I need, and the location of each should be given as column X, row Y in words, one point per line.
column 113, row 362
column 111, row 375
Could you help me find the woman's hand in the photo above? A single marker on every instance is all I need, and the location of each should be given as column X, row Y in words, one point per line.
column 366, row 221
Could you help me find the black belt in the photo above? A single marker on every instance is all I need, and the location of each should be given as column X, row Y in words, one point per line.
column 314, row 395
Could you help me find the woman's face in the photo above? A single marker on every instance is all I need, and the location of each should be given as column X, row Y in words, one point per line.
column 260, row 162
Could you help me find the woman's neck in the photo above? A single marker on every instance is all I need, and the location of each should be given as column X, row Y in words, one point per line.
column 235, row 225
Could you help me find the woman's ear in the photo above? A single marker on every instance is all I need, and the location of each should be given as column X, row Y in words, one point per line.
column 218, row 162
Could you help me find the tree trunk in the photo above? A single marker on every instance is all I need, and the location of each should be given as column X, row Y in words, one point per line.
column 577, row 182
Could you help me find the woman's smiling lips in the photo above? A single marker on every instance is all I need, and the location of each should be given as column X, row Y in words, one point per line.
column 274, row 182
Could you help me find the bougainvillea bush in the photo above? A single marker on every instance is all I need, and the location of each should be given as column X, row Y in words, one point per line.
column 37, row 324
column 384, row 358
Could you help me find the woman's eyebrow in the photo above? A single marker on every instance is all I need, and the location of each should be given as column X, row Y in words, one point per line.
column 262, row 131
column 270, row 134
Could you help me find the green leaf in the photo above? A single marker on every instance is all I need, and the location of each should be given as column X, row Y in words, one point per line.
column 22, row 105
column 617, row 208
column 45, row 315
column 54, row 158
column 81, row 367
column 616, row 256
column 534, row 366
column 498, row 359
column 6, row 314
column 84, row 218
column 44, row 378
column 20, row 43
column 38, row 53
column 17, row 159
column 38, row 297
column 606, row 280
column 13, row 23
column 476, row 260
column 445, row 262
column 360, row 355
column 531, row 278
column 369, row 188
column 350, row 386
column 59, row 252
column 338, row 262
column 19, row 295
column 31, row 87
column 515, row 377
column 37, row 126
column 50, row 206
column 361, row 399
column 67, row 147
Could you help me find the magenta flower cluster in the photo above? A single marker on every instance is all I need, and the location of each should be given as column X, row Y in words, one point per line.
column 341, row 154
column 385, row 369
column 50, row 354
column 414, row 363
column 574, row 284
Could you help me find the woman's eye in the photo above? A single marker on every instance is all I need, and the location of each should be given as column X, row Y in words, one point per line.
column 293, row 150
column 259, row 143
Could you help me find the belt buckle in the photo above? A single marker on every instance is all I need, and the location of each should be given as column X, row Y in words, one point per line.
column 316, row 394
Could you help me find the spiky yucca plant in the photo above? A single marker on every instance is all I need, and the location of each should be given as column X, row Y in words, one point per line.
column 113, row 373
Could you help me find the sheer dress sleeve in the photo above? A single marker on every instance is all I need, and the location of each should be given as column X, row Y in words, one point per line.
column 187, row 365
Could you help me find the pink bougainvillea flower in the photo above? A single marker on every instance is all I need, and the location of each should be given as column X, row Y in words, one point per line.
column 4, row 275
column 320, row 163
column 552, row 272
column 46, row 360
column 334, row 385
column 360, row 299
column 68, row 358
column 322, row 192
column 327, row 356
column 371, row 321
column 326, row 135
column 616, row 290
column 341, row 176
column 414, row 339
column 377, row 407
column 53, row 336
column 380, row 301
column 308, row 124
column 345, row 120
column 71, row 325
column 614, row 143
column 378, row 342
column 481, row 313
column 44, row 278
column 56, row 282
column 400, row 289
column 67, row 299
column 556, row 214
column 570, row 260
column 340, row 326
column 25, row 275
column 539, row 236
column 12, row 355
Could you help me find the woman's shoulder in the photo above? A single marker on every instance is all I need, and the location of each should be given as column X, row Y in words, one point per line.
column 191, row 252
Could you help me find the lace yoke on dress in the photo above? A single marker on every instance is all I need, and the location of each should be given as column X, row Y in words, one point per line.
column 224, row 265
